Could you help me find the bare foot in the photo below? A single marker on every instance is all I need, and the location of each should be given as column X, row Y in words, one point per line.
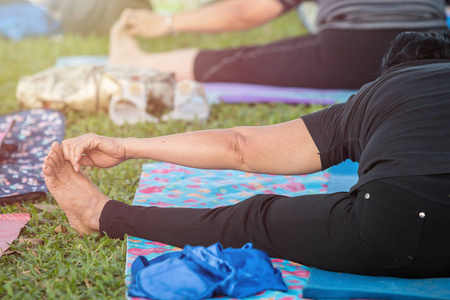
column 145, row 23
column 123, row 48
column 79, row 198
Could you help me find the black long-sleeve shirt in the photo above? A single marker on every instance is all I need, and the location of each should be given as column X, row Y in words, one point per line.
column 395, row 126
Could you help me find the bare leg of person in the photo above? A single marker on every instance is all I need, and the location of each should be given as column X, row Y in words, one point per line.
column 79, row 198
column 124, row 50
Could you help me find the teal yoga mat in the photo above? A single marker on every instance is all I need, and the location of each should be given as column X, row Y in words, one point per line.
column 343, row 176
column 331, row 285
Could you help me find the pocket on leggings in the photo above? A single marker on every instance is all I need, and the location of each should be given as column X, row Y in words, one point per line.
column 390, row 236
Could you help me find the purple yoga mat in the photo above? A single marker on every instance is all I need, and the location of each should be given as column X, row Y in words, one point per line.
column 255, row 93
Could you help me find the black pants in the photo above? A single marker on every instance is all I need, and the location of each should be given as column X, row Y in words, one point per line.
column 381, row 230
column 342, row 59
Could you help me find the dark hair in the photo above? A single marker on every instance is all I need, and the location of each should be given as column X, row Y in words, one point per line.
column 410, row 45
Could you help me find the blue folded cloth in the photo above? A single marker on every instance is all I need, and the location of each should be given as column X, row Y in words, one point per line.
column 199, row 272
column 331, row 285
column 20, row 20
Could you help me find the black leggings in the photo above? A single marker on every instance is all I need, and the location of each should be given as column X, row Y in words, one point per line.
column 381, row 230
column 341, row 59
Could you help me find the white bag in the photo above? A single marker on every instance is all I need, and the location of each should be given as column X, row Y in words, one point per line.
column 129, row 94
column 190, row 102
column 88, row 88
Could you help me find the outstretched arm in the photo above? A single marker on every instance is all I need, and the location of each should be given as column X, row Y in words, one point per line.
column 285, row 148
column 221, row 16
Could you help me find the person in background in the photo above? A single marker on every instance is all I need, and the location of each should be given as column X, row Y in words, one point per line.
column 90, row 16
column 395, row 221
column 345, row 53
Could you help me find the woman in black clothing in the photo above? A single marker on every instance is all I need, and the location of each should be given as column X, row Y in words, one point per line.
column 395, row 221
column 346, row 52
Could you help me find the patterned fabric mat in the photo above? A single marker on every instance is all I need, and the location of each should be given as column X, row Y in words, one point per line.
column 164, row 185
column 23, row 151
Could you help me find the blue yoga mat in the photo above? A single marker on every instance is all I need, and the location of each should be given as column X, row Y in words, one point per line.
column 330, row 285
column 343, row 177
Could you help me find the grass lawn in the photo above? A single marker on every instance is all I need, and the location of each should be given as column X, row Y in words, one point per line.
column 65, row 266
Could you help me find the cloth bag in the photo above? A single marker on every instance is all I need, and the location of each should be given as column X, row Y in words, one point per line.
column 25, row 139
column 199, row 273
column 129, row 94
column 189, row 103
column 89, row 88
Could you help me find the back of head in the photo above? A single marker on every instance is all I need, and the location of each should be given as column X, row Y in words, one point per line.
column 409, row 46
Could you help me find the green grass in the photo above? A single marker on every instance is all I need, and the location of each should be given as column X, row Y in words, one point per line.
column 66, row 266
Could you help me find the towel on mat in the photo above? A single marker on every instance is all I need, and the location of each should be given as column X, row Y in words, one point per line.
column 199, row 273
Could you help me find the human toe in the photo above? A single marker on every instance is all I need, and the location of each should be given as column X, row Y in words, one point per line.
column 55, row 158
column 51, row 159
column 56, row 153
column 47, row 168
column 58, row 149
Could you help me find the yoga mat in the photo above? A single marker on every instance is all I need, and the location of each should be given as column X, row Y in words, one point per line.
column 255, row 93
column 96, row 60
column 169, row 185
column 447, row 10
column 5, row 132
column 28, row 135
column 343, row 176
column 331, row 285
column 10, row 226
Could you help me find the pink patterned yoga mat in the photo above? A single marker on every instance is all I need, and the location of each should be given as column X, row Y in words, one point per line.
column 169, row 185
column 10, row 226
